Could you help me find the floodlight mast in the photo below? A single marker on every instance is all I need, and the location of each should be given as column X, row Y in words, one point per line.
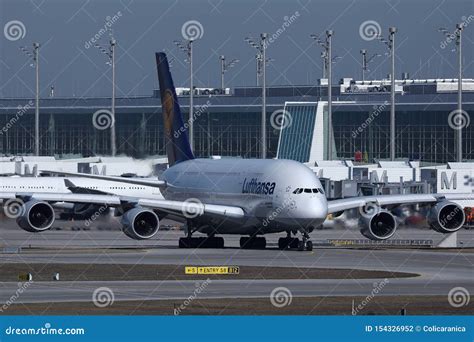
column 34, row 56
column 261, row 60
column 110, row 54
column 225, row 67
column 391, row 46
column 328, row 60
column 366, row 61
column 392, row 31
column 36, row 47
column 187, row 48
column 459, row 28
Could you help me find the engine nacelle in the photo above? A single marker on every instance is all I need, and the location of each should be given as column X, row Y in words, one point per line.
column 379, row 226
column 139, row 223
column 36, row 216
column 446, row 217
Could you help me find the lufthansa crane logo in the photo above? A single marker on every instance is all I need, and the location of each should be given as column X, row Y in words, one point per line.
column 168, row 111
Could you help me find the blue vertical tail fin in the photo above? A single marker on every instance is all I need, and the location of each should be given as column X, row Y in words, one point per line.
column 177, row 142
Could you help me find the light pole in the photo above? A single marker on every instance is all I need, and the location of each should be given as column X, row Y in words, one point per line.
column 366, row 61
column 392, row 31
column 36, row 47
column 110, row 54
column 459, row 112
column 113, row 142
column 459, row 28
column 35, row 58
column 187, row 48
column 262, row 60
column 391, row 45
column 328, row 60
column 329, row 34
column 225, row 67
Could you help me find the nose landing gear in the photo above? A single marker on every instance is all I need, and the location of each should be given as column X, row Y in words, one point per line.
column 306, row 243
column 289, row 242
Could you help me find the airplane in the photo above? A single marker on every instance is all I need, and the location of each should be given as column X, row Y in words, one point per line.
column 32, row 185
column 248, row 197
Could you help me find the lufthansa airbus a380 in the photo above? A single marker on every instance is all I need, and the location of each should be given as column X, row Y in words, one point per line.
column 249, row 197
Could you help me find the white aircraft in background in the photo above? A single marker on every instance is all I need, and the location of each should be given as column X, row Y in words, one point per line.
column 76, row 185
column 249, row 197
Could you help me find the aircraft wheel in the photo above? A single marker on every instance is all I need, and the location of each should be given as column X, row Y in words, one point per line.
column 294, row 243
column 309, row 245
column 218, row 242
column 283, row 243
column 301, row 246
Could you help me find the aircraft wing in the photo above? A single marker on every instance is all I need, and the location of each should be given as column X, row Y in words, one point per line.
column 383, row 200
column 179, row 208
column 137, row 181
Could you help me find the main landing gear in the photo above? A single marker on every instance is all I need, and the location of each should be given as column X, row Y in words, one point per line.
column 289, row 242
column 253, row 242
column 210, row 241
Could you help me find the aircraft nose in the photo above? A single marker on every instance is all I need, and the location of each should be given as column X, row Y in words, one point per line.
column 317, row 208
column 320, row 208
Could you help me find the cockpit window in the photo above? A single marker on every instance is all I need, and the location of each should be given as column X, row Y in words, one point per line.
column 298, row 191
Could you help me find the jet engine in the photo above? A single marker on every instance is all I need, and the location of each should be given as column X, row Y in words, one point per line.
column 36, row 216
column 381, row 225
column 139, row 223
column 446, row 217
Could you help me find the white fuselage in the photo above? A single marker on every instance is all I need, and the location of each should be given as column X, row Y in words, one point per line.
column 264, row 189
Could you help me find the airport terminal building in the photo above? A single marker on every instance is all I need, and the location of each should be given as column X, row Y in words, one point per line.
column 229, row 125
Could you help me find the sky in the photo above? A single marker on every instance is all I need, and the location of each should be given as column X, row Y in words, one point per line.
column 70, row 62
